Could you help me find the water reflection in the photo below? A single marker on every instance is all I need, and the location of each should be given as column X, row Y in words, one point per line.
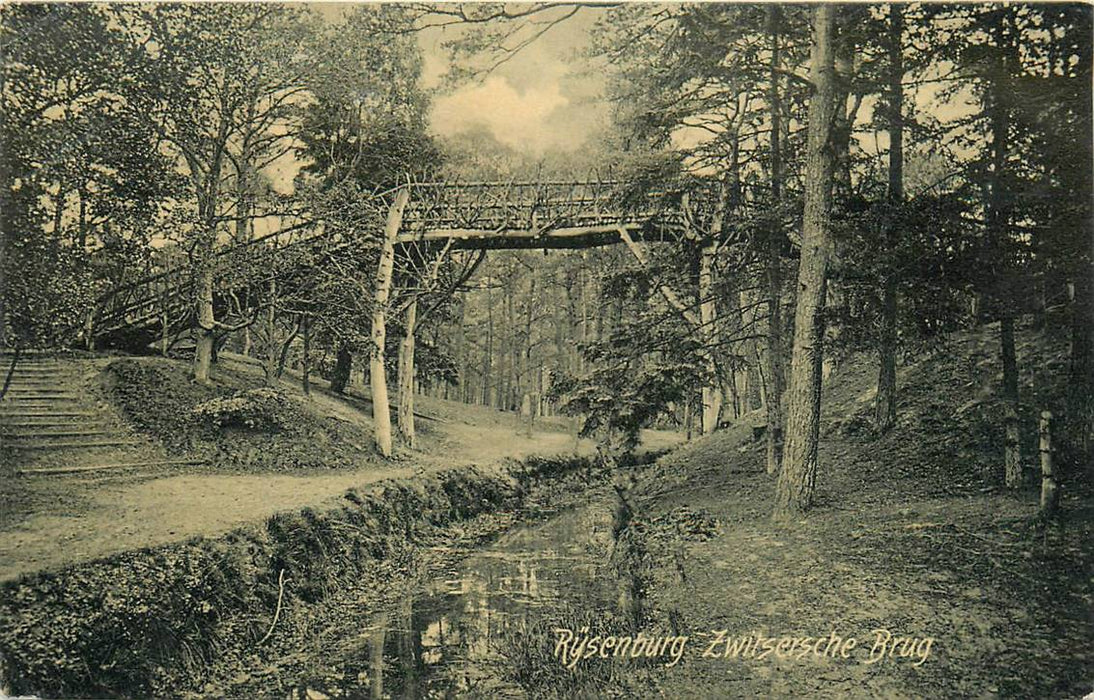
column 447, row 638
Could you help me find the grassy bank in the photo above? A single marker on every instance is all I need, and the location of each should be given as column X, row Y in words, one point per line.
column 149, row 622
column 224, row 423
column 912, row 536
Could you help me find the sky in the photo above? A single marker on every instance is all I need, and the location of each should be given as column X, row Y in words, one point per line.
column 537, row 101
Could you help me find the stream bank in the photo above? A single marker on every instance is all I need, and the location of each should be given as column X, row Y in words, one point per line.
column 478, row 610
column 151, row 621
column 214, row 616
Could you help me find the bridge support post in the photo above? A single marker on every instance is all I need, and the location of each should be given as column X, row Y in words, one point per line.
column 381, row 407
column 406, row 377
column 704, row 325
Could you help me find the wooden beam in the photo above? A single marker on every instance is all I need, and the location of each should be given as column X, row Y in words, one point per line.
column 670, row 296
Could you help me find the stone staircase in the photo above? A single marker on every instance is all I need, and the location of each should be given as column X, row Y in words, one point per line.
column 54, row 421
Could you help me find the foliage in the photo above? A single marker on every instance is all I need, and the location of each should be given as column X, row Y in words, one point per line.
column 80, row 174
column 627, row 389
column 263, row 409
column 159, row 398
column 932, row 256
column 49, row 289
column 529, row 659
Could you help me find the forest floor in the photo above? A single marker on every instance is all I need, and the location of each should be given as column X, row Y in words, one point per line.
column 51, row 520
column 910, row 540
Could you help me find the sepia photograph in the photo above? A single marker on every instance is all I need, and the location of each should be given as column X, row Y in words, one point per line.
column 606, row 349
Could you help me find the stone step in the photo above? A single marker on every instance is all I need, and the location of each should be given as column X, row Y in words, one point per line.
column 51, row 422
column 76, row 444
column 41, row 397
column 44, row 408
column 21, row 412
column 18, row 387
column 118, row 466
column 66, row 432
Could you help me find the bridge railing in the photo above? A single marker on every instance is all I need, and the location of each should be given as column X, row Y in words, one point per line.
column 530, row 205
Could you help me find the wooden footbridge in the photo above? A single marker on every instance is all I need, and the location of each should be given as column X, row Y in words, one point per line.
column 434, row 218
column 462, row 215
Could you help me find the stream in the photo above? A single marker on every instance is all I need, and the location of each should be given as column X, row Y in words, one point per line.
column 464, row 627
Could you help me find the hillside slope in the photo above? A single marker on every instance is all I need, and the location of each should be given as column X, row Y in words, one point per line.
column 911, row 538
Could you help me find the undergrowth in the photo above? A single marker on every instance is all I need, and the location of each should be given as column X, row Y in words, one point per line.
column 232, row 423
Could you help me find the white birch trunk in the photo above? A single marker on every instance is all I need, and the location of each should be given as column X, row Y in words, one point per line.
column 381, row 408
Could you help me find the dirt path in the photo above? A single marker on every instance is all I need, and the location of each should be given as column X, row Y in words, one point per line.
column 47, row 521
column 129, row 516
column 76, row 519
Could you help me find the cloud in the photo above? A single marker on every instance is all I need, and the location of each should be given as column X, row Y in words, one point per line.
column 538, row 101
column 520, row 119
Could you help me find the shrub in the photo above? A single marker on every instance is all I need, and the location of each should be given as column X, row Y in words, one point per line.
column 263, row 410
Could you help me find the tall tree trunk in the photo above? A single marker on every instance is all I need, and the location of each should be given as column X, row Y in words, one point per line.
column 1080, row 398
column 746, row 300
column 527, row 381
column 797, row 478
column 81, row 233
column 59, row 208
column 343, row 366
column 885, row 403
column 381, row 407
column 487, row 357
column 271, row 335
column 998, row 219
column 206, row 322
column 773, row 272
column 4, row 188
column 205, row 275
column 406, row 376
column 1012, row 457
column 511, row 350
column 307, row 356
column 462, row 375
column 708, row 316
column 286, row 346
column 584, row 296
column 1080, row 405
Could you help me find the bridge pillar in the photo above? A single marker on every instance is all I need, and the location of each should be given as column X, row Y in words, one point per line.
column 406, row 376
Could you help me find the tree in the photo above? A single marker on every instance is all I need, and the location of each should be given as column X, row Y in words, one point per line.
column 796, row 482
column 82, row 176
column 885, row 401
column 220, row 84
column 364, row 133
